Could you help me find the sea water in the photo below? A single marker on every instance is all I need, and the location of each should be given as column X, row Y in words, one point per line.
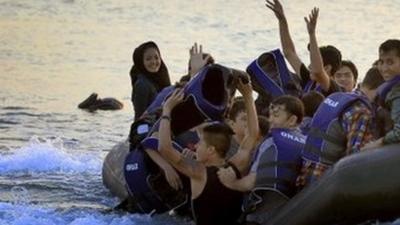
column 53, row 54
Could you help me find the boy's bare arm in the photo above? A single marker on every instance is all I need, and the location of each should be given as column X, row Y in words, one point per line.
column 242, row 158
column 288, row 47
column 189, row 167
column 228, row 177
column 318, row 72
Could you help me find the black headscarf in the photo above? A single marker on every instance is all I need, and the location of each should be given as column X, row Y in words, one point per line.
column 160, row 79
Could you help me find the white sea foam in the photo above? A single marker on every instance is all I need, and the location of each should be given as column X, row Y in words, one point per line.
column 44, row 155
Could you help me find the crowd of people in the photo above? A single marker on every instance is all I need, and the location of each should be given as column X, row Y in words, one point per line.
column 244, row 168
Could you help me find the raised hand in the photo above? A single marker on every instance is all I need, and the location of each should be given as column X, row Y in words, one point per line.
column 187, row 153
column 276, row 7
column 227, row 176
column 245, row 88
column 174, row 99
column 311, row 21
column 196, row 59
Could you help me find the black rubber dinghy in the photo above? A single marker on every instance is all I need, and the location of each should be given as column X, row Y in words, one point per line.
column 361, row 187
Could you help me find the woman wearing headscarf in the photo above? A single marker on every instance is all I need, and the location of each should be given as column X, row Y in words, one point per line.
column 149, row 76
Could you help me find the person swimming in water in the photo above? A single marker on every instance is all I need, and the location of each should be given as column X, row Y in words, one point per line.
column 93, row 103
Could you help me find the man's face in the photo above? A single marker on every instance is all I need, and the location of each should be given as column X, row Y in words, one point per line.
column 279, row 117
column 344, row 77
column 389, row 64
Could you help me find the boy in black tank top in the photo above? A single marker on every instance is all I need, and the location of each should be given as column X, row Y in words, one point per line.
column 212, row 202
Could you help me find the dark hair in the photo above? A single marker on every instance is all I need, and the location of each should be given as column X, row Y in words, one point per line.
column 263, row 125
column 293, row 105
column 373, row 78
column 219, row 135
column 352, row 67
column 390, row 45
column 237, row 107
column 331, row 56
column 311, row 102
column 160, row 79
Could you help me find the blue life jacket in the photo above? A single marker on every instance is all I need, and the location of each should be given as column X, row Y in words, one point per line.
column 139, row 172
column 280, row 163
column 385, row 88
column 312, row 86
column 264, row 80
column 212, row 107
column 326, row 140
column 160, row 98
column 305, row 125
column 206, row 98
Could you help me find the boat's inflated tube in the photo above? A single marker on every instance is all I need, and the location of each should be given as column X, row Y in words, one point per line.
column 358, row 188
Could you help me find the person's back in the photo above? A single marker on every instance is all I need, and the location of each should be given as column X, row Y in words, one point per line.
column 212, row 201
column 341, row 126
column 217, row 204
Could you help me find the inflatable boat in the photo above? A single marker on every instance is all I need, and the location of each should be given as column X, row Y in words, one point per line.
column 359, row 188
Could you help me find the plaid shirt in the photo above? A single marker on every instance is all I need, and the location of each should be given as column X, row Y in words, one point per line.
column 356, row 122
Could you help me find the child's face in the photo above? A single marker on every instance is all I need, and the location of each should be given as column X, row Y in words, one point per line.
column 389, row 64
column 345, row 78
column 151, row 60
column 239, row 125
column 279, row 117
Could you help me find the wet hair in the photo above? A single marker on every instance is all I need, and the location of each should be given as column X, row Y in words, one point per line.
column 352, row 67
column 160, row 79
column 390, row 45
column 263, row 125
column 330, row 56
column 237, row 107
column 293, row 105
column 311, row 102
column 373, row 78
column 219, row 136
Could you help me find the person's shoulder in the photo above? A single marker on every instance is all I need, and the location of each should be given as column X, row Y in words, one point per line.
column 394, row 93
column 358, row 109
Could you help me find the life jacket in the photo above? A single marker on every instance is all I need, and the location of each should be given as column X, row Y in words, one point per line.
column 160, row 98
column 385, row 88
column 277, row 168
column 305, row 125
column 280, row 162
column 326, row 140
column 260, row 77
column 206, row 98
column 146, row 185
column 312, row 86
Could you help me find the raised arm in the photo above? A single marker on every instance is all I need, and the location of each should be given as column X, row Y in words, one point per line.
column 196, row 60
column 242, row 158
column 318, row 72
column 187, row 166
column 288, row 47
